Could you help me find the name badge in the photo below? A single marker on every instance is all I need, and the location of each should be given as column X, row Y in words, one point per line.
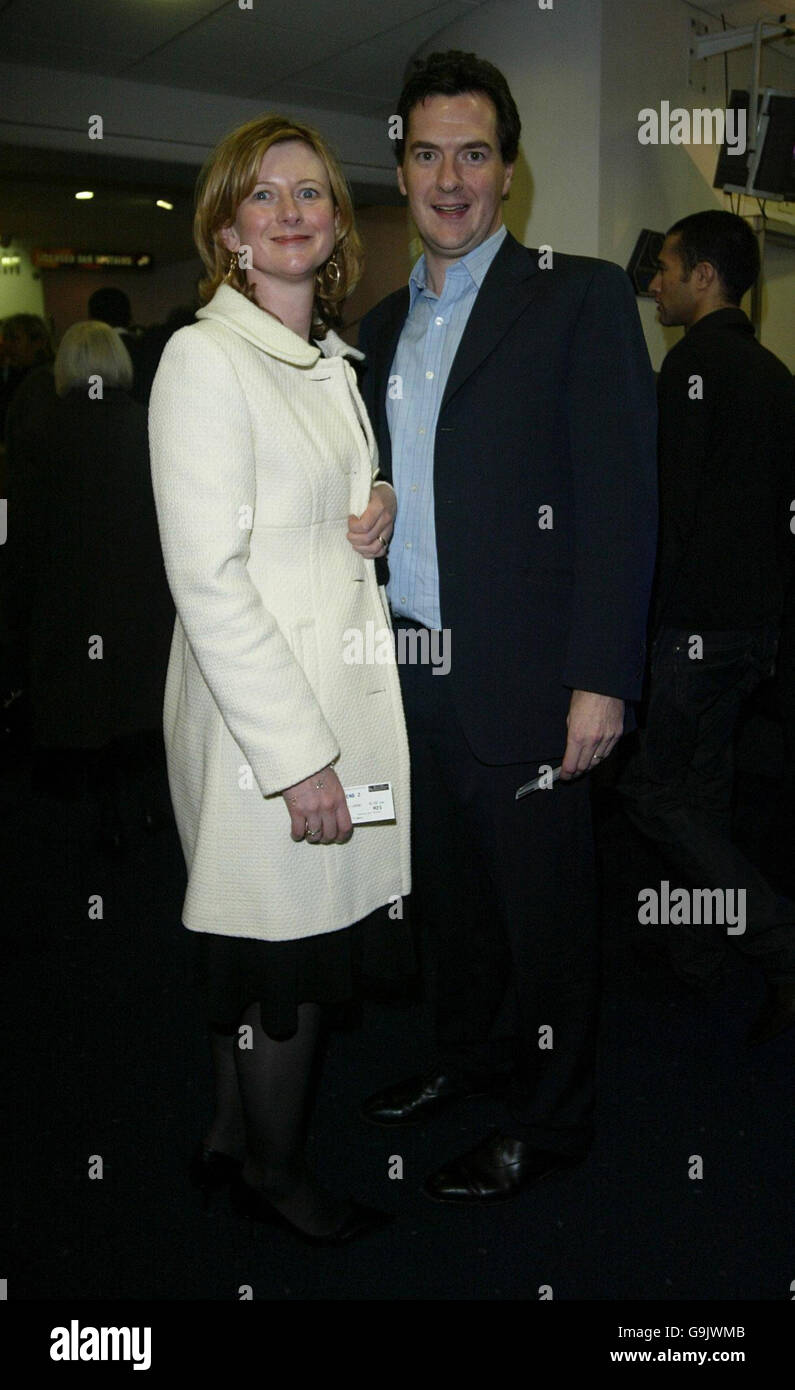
column 370, row 803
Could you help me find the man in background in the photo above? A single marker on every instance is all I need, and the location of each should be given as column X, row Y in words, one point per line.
column 727, row 484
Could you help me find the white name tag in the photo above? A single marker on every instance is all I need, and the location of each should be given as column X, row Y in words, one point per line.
column 371, row 803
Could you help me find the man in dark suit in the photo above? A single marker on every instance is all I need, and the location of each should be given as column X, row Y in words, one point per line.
column 727, row 480
column 514, row 407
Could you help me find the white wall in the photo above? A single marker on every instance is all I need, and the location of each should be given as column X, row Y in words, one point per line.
column 644, row 61
column 20, row 293
column 551, row 61
column 580, row 73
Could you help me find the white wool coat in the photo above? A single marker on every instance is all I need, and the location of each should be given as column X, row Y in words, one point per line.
column 260, row 450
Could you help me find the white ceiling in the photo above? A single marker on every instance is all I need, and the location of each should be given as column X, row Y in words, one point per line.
column 338, row 54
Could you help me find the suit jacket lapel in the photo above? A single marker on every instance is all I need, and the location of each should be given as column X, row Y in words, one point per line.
column 508, row 286
column 382, row 361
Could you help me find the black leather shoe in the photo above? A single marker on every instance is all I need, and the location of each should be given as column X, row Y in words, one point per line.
column 211, row 1170
column 408, row 1102
column 776, row 1015
column 359, row 1220
column 494, row 1171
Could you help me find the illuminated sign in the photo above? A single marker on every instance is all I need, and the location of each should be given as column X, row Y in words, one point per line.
column 92, row 260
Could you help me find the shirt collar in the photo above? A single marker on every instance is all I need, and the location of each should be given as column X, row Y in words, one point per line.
column 730, row 317
column 471, row 268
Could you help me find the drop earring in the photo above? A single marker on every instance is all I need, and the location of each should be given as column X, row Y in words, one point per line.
column 329, row 277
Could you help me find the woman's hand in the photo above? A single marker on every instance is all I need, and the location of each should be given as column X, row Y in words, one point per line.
column 371, row 532
column 319, row 810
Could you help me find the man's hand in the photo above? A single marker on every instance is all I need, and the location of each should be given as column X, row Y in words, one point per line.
column 371, row 532
column 595, row 724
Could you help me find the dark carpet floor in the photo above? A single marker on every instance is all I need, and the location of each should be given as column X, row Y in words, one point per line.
column 108, row 1058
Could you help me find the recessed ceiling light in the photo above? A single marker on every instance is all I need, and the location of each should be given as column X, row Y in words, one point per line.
column 161, row 203
column 86, row 193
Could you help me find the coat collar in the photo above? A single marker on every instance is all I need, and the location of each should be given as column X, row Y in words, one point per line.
column 231, row 308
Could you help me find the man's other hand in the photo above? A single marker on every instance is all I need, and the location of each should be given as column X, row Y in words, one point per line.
column 595, row 723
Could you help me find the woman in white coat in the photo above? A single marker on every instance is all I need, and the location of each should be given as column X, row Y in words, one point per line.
column 263, row 463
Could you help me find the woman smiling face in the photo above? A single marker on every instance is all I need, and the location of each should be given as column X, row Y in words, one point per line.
column 288, row 221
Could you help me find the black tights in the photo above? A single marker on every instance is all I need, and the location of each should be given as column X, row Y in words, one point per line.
column 262, row 1096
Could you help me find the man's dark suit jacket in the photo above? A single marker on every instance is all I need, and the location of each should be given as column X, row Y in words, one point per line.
column 727, row 478
column 550, row 402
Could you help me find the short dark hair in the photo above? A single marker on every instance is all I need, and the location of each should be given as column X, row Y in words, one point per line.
column 450, row 74
column 727, row 242
column 31, row 325
column 111, row 306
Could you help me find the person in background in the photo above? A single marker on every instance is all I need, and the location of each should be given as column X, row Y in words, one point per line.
column 90, row 582
column 28, row 354
column 271, row 517
column 149, row 349
column 30, row 393
column 727, row 483
column 112, row 306
column 24, row 344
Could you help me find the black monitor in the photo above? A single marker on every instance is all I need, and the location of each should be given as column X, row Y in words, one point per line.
column 642, row 266
column 775, row 168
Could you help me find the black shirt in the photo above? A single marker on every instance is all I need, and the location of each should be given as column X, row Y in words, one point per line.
column 727, row 478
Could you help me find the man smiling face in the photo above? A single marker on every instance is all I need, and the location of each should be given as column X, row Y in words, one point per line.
column 453, row 174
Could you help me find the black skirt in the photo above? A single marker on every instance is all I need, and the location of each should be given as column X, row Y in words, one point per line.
column 234, row 972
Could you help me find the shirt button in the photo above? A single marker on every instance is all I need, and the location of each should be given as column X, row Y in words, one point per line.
column 403, row 598
column 414, row 487
column 408, row 545
column 421, row 430
column 439, row 320
column 429, row 376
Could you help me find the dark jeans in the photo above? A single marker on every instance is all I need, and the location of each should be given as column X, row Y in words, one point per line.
column 504, row 893
column 678, row 791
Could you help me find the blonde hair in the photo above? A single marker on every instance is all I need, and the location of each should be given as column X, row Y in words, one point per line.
column 89, row 349
column 230, row 175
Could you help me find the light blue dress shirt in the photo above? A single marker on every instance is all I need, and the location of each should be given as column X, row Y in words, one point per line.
column 428, row 344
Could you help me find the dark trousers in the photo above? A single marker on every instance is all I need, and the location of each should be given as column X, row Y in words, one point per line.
column 678, row 792
column 504, row 893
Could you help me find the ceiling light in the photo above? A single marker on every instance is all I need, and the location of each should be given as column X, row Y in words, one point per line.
column 161, row 203
column 86, row 193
